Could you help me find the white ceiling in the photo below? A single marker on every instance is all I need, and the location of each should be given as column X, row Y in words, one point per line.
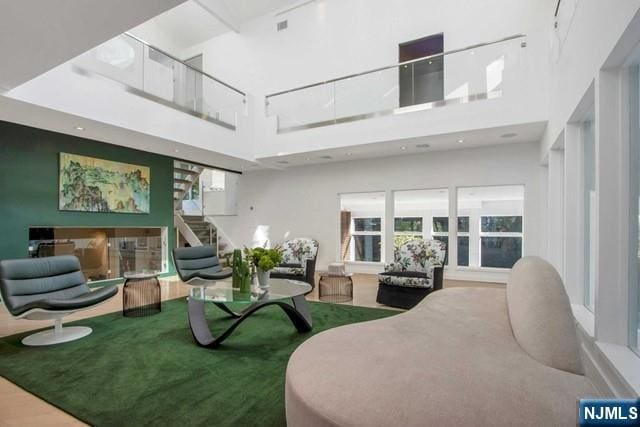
column 180, row 28
column 36, row 35
column 247, row 10
column 527, row 132
column 190, row 23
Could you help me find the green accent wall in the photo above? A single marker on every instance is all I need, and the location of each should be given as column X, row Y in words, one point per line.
column 29, row 162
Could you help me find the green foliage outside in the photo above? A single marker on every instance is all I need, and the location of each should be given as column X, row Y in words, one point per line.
column 401, row 239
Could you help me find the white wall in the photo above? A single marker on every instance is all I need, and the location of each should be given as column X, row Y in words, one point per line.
column 332, row 38
column 580, row 47
column 303, row 201
column 154, row 34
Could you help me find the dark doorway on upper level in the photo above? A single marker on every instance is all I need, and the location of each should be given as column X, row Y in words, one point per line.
column 421, row 81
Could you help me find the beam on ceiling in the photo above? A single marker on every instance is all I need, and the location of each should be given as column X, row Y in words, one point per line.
column 219, row 10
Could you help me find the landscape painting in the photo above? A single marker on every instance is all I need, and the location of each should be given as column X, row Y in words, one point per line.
column 88, row 184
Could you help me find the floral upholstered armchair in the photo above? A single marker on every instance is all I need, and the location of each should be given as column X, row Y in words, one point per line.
column 415, row 272
column 298, row 260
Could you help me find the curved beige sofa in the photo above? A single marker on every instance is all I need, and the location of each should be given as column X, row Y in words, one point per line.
column 462, row 357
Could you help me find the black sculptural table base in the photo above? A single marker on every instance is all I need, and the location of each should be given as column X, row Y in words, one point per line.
column 298, row 313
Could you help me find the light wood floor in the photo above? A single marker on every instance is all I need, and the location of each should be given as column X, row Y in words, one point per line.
column 21, row 408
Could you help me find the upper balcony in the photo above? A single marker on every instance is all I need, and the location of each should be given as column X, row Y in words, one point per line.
column 127, row 85
column 458, row 76
column 152, row 73
column 132, row 85
column 483, row 86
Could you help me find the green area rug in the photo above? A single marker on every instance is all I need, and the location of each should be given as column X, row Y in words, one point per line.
column 149, row 371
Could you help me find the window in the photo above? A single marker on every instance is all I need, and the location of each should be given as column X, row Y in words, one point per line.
column 367, row 224
column 361, row 226
column 409, row 225
column 587, row 136
column 490, row 226
column 406, row 229
column 440, row 232
column 500, row 241
column 367, row 239
column 421, row 214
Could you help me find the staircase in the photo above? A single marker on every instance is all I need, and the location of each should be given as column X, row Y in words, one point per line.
column 204, row 231
column 184, row 176
column 199, row 231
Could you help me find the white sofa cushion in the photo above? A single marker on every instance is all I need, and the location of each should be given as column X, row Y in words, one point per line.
column 540, row 314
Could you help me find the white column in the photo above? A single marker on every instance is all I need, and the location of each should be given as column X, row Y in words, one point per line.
column 544, row 214
column 573, row 262
column 555, row 216
column 612, row 166
column 453, row 228
column 389, row 214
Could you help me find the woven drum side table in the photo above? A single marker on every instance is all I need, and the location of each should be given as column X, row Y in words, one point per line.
column 335, row 288
column 141, row 295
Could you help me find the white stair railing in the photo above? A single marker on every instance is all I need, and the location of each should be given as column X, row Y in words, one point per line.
column 183, row 228
column 221, row 235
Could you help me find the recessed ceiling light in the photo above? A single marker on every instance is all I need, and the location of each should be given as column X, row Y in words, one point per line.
column 403, row 147
column 79, row 128
column 423, row 145
column 349, row 154
column 508, row 135
column 307, row 158
column 460, row 141
column 283, row 162
column 176, row 150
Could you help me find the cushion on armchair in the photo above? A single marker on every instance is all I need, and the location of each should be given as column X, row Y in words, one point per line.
column 295, row 253
column 409, row 279
column 292, row 269
column 414, row 263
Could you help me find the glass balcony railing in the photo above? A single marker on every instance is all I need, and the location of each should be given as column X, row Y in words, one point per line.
column 463, row 75
column 149, row 72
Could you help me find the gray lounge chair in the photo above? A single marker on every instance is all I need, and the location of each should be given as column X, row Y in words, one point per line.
column 199, row 263
column 49, row 288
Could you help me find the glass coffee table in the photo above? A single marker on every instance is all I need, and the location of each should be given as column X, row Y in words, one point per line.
column 221, row 293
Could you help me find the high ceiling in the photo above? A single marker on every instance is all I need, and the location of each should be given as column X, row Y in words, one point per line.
column 196, row 21
column 246, row 10
column 36, row 36
column 181, row 27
